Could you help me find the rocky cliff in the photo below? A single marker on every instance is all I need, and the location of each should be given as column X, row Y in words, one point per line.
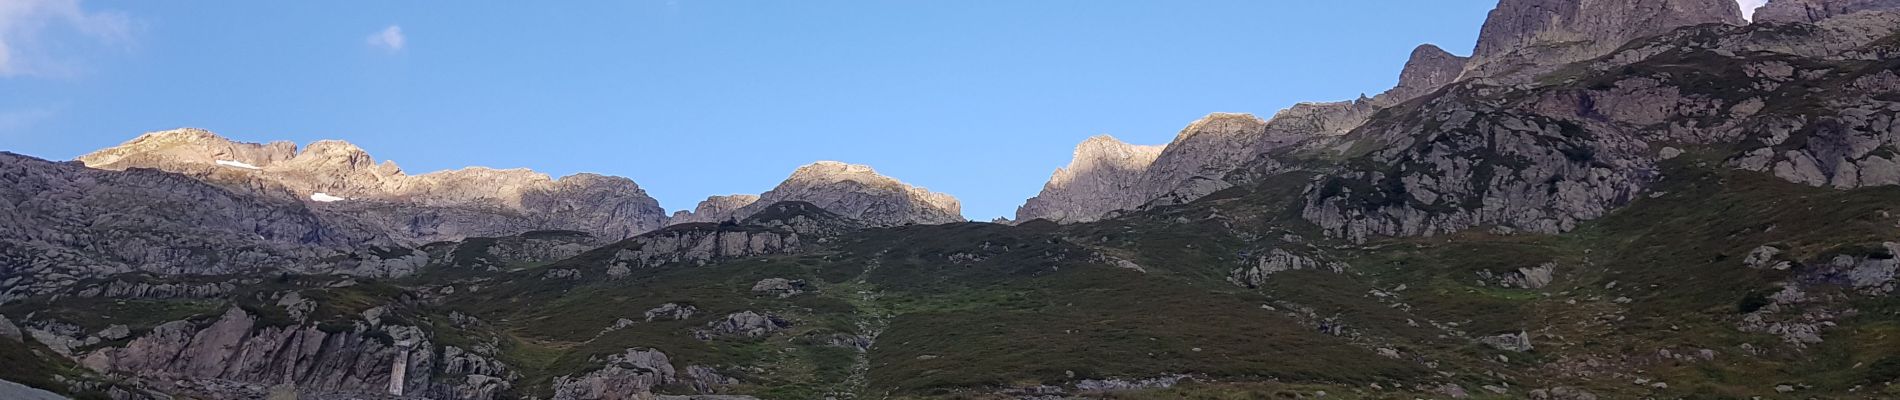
column 1810, row 11
column 342, row 181
column 1810, row 104
column 236, row 355
column 1101, row 177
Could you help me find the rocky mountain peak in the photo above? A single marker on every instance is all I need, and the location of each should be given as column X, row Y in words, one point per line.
column 1521, row 38
column 1428, row 69
column 1099, row 176
column 859, row 192
column 1786, row 11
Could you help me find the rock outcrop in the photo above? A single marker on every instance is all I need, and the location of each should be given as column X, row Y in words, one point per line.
column 1277, row 261
column 347, row 185
column 237, row 347
column 744, row 324
column 1811, row 11
column 859, row 193
column 494, row 254
column 1524, row 38
column 698, row 244
column 779, row 287
column 630, row 374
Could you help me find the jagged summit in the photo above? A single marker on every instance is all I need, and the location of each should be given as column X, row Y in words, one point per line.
column 853, row 191
column 190, row 145
column 1097, row 177
column 1522, row 38
column 1428, row 69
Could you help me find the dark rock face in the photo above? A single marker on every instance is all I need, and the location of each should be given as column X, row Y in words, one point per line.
column 1810, row 11
column 236, row 348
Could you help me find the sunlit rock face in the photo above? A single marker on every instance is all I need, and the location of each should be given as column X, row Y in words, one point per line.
column 343, row 181
column 1101, row 178
column 853, row 191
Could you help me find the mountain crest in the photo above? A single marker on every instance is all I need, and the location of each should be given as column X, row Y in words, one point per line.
column 714, row 209
column 335, row 174
column 190, row 145
column 1523, row 38
column 859, row 192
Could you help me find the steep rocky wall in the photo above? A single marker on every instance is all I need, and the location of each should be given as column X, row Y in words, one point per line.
column 223, row 356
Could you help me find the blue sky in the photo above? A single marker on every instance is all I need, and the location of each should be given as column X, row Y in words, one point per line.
column 690, row 98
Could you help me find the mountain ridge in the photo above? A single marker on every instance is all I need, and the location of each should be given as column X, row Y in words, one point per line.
column 1705, row 212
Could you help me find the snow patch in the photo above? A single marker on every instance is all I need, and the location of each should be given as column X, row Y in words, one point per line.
column 237, row 164
column 322, row 197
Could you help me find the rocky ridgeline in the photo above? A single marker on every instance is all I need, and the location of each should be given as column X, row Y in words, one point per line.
column 1107, row 176
column 1587, row 165
column 1525, row 38
column 1810, row 11
column 850, row 190
column 343, row 182
column 1100, row 178
column 1544, row 158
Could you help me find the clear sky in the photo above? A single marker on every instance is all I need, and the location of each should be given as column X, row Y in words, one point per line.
column 980, row 99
